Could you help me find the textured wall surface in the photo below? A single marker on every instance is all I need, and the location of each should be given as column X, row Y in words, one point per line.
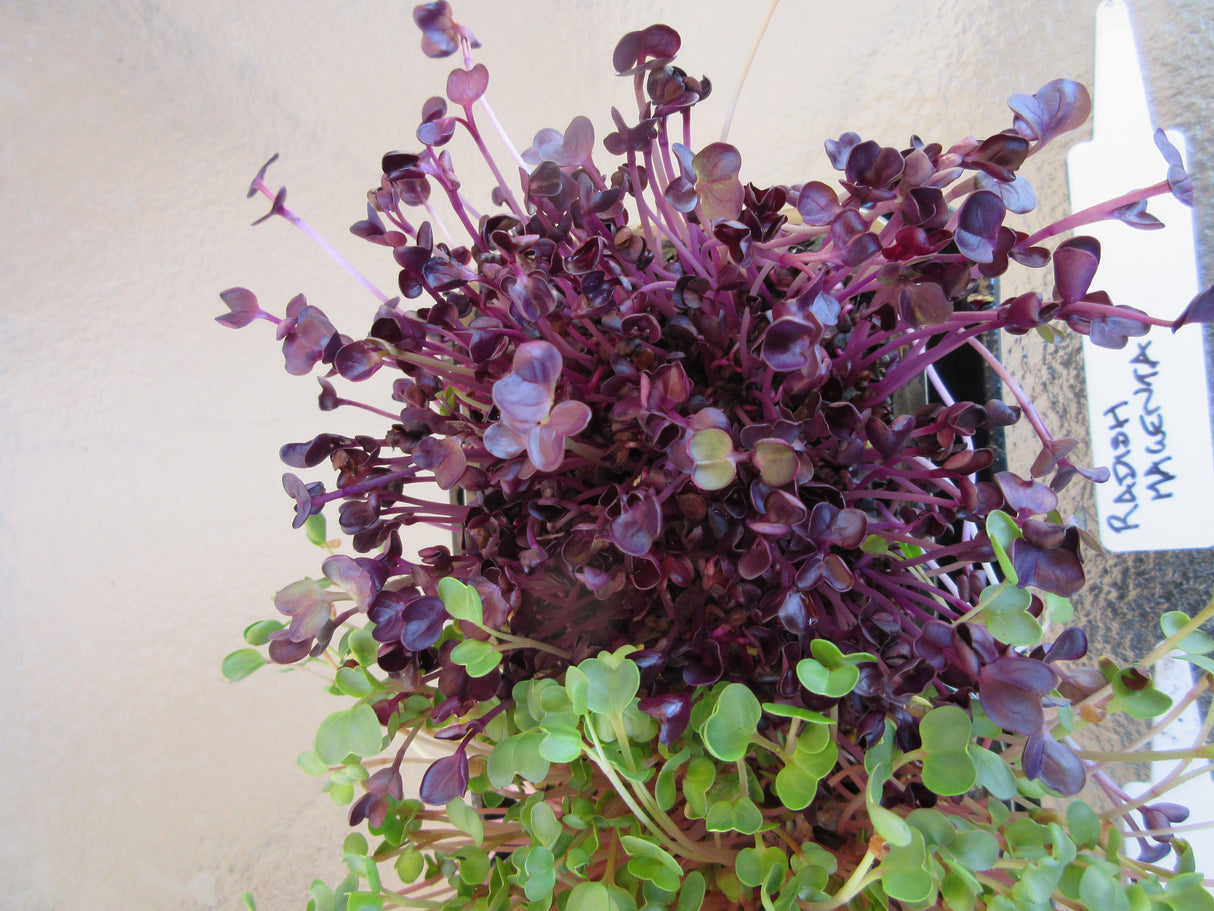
column 141, row 521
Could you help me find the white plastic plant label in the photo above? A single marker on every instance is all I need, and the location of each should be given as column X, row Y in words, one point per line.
column 1147, row 409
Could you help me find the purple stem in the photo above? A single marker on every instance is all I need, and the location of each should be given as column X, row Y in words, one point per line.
column 453, row 196
column 307, row 229
column 1091, row 307
column 385, row 414
column 497, row 174
column 1099, row 212
column 913, row 365
column 354, row 489
column 1022, row 399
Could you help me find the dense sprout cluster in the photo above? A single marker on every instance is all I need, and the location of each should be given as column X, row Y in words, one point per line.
column 666, row 399
column 669, row 408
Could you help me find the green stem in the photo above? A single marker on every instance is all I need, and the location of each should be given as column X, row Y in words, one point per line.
column 1180, row 635
column 673, row 838
column 1205, row 752
column 762, row 742
column 621, row 739
column 743, row 778
column 471, row 401
column 1154, row 792
column 1160, row 651
column 790, row 739
column 907, row 758
column 524, row 642
column 1175, row 830
column 421, row 360
column 859, row 880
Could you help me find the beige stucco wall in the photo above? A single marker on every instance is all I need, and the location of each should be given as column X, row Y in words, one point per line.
column 141, row 521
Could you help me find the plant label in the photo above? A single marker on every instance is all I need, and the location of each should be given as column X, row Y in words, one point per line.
column 1147, row 405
